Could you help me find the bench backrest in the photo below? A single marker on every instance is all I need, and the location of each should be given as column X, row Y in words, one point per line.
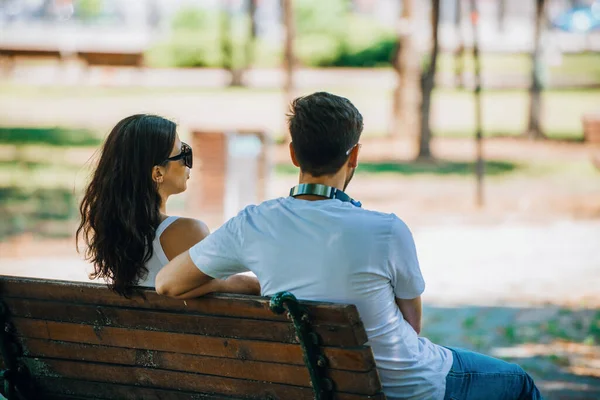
column 80, row 340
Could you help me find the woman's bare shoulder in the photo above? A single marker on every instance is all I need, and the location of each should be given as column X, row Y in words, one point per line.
column 181, row 235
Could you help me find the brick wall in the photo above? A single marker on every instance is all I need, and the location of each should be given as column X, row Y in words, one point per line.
column 205, row 196
column 591, row 128
column 206, row 187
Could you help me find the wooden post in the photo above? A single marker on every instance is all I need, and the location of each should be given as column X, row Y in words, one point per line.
column 534, row 129
column 407, row 68
column 251, row 40
column 459, row 52
column 427, row 84
column 501, row 15
column 227, row 45
column 480, row 166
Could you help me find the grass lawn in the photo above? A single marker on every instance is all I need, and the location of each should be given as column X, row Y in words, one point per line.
column 505, row 112
column 576, row 65
column 561, row 170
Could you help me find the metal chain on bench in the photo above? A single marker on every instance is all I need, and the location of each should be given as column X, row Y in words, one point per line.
column 309, row 340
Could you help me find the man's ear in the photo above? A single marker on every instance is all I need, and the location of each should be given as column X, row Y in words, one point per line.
column 293, row 156
column 157, row 174
column 353, row 159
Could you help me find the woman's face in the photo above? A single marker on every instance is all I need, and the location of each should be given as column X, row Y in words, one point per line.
column 176, row 173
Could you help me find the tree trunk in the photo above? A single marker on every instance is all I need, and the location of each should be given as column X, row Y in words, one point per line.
column 480, row 166
column 427, row 84
column 501, row 15
column 288, row 57
column 405, row 106
column 251, row 40
column 227, row 46
column 288, row 54
column 459, row 53
column 534, row 130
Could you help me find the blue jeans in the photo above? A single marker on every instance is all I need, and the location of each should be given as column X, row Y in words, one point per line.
column 476, row 376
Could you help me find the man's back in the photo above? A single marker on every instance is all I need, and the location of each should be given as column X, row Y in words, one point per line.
column 320, row 245
column 330, row 250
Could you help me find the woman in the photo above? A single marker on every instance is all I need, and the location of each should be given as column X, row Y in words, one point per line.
column 124, row 222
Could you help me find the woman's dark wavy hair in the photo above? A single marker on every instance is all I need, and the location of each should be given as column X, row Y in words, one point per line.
column 120, row 210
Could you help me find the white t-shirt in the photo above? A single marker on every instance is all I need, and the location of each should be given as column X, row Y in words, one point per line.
column 158, row 259
column 329, row 250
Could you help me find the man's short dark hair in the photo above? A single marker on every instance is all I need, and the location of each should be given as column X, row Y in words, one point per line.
column 323, row 127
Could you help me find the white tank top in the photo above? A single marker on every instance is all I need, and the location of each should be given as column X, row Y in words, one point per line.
column 158, row 259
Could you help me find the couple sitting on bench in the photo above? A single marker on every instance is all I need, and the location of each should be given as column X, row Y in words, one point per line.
column 317, row 243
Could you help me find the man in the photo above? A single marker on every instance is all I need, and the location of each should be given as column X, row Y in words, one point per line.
column 320, row 245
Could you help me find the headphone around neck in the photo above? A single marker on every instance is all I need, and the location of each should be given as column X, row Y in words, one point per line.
column 316, row 189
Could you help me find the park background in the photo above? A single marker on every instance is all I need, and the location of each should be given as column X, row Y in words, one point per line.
column 482, row 132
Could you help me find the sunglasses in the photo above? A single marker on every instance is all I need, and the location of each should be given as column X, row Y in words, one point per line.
column 185, row 155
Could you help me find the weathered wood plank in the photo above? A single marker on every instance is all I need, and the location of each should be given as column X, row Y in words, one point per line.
column 345, row 381
column 60, row 388
column 334, row 335
column 355, row 359
column 174, row 380
column 235, row 306
column 95, row 390
column 162, row 379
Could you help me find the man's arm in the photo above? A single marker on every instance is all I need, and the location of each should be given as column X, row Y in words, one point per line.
column 405, row 273
column 411, row 311
column 191, row 273
column 180, row 277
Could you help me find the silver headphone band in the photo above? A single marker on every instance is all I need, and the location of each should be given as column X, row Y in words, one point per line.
column 328, row 192
column 313, row 189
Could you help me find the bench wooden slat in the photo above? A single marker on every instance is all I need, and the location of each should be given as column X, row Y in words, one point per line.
column 31, row 52
column 60, row 388
column 359, row 359
column 174, row 380
column 105, row 58
column 345, row 381
column 98, row 316
column 94, row 390
column 163, row 379
column 235, row 306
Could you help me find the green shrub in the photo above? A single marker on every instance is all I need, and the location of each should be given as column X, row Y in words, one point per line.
column 88, row 10
column 367, row 45
column 317, row 50
column 29, row 210
column 193, row 42
column 49, row 136
column 327, row 34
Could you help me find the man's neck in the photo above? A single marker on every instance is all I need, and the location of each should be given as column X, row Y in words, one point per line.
column 336, row 181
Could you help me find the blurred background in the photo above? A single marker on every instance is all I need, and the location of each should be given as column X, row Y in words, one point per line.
column 482, row 132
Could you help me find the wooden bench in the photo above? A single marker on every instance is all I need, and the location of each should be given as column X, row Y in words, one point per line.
column 114, row 59
column 67, row 340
